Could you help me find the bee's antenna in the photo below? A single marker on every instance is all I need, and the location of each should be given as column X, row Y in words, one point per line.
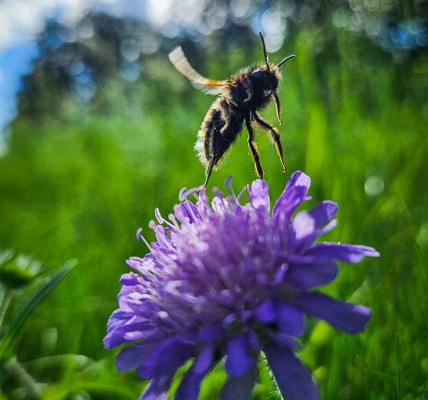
column 264, row 50
column 285, row 59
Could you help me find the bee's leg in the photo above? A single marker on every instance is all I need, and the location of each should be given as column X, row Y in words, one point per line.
column 226, row 114
column 253, row 150
column 211, row 158
column 277, row 107
column 275, row 137
column 209, row 170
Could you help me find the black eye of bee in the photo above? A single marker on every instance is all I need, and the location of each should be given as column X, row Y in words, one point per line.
column 258, row 73
column 240, row 98
column 264, row 79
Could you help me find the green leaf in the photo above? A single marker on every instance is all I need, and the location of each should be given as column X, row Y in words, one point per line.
column 6, row 345
column 17, row 270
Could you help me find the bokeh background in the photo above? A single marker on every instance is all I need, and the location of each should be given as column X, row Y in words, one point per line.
column 98, row 129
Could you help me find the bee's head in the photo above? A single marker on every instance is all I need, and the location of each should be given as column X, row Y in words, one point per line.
column 268, row 75
column 266, row 78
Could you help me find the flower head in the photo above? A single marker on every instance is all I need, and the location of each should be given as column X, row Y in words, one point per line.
column 226, row 280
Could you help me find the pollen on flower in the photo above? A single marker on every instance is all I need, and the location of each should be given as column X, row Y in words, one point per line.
column 228, row 280
column 163, row 314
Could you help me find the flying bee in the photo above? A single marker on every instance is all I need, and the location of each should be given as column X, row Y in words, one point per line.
column 239, row 99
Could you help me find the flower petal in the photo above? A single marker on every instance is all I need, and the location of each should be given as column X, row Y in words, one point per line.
column 115, row 330
column 346, row 316
column 298, row 179
column 351, row 253
column 164, row 359
column 266, row 311
column 157, row 389
column 133, row 356
column 191, row 383
column 294, row 193
column 302, row 232
column 303, row 276
column 323, row 212
column 290, row 320
column 205, row 359
column 210, row 332
column 284, row 340
column 239, row 387
column 187, row 211
column 294, row 380
column 190, row 386
column 259, row 195
column 239, row 354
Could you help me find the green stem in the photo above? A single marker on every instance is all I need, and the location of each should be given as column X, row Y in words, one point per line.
column 7, row 296
column 13, row 368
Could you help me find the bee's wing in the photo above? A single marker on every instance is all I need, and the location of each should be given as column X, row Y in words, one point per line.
column 179, row 60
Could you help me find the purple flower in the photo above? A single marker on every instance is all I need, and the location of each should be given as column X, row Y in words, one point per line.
column 226, row 280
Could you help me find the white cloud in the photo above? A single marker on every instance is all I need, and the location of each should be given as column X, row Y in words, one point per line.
column 21, row 20
column 159, row 11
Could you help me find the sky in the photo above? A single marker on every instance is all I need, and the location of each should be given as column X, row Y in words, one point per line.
column 22, row 20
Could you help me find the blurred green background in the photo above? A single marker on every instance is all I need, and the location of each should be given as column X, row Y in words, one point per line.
column 104, row 133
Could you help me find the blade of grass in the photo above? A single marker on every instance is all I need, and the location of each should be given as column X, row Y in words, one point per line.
column 6, row 344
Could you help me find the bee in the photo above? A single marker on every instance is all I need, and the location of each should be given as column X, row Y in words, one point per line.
column 239, row 99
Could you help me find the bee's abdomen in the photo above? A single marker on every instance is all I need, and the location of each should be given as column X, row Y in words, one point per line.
column 218, row 131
